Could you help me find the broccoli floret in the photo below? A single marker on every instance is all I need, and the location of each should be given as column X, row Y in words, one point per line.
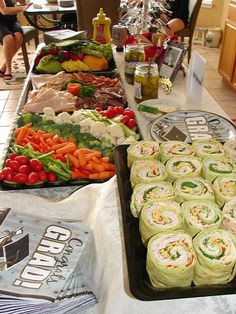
column 66, row 130
column 54, row 129
column 36, row 118
column 108, row 153
column 24, row 119
column 86, row 91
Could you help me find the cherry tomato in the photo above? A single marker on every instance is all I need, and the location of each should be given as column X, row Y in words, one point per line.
column 103, row 113
column 22, row 160
column 42, row 175
column 131, row 123
column 129, row 113
column 36, row 164
column 24, row 169
column 14, row 165
column 98, row 109
column 20, row 178
column 118, row 110
column 51, row 176
column 7, row 174
column 80, row 56
column 33, row 177
column 110, row 112
column 125, row 119
column 7, row 162
column 12, row 156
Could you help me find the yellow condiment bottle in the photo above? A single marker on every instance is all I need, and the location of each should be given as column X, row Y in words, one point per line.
column 101, row 28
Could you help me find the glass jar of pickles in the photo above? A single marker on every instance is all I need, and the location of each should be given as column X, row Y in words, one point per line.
column 146, row 81
column 134, row 54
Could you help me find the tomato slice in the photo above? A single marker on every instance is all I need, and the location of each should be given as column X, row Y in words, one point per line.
column 73, row 88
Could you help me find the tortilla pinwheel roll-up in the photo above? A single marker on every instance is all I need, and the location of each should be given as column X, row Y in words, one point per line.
column 229, row 217
column 178, row 167
column 192, row 188
column 142, row 150
column 175, row 148
column 230, row 149
column 159, row 216
column 145, row 192
column 225, row 188
column 200, row 215
column 216, row 257
column 208, row 148
column 212, row 168
column 146, row 171
column 170, row 260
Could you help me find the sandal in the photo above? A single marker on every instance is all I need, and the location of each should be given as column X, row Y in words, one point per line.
column 7, row 77
column 1, row 73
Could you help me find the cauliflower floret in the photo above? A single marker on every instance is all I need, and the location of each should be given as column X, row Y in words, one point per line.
column 120, row 140
column 111, row 139
column 98, row 129
column 130, row 140
column 85, row 124
column 48, row 111
column 115, row 131
column 77, row 116
column 63, row 117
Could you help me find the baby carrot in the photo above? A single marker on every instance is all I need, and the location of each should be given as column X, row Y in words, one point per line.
column 17, row 131
column 69, row 148
column 108, row 166
column 106, row 174
column 23, row 132
column 82, row 158
column 97, row 166
column 59, row 145
column 74, row 161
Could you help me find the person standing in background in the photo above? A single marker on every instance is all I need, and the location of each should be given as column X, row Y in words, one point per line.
column 11, row 33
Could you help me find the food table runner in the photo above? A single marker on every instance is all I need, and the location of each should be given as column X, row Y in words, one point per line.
column 98, row 206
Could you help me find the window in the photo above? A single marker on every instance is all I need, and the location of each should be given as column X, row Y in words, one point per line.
column 207, row 3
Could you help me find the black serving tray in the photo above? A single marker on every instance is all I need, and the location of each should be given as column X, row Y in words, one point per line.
column 140, row 285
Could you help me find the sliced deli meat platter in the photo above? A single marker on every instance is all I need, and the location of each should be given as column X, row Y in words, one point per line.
column 74, row 114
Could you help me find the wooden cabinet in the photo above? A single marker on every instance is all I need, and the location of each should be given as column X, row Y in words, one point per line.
column 227, row 63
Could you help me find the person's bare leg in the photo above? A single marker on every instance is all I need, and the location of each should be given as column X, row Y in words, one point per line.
column 18, row 38
column 8, row 52
column 174, row 26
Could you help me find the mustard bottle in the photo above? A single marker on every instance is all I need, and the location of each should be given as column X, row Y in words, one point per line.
column 101, row 28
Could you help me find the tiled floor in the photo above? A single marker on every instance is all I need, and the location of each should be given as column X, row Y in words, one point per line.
column 213, row 82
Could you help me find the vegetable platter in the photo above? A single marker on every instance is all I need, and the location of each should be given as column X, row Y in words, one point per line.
column 50, row 149
column 74, row 56
column 178, row 204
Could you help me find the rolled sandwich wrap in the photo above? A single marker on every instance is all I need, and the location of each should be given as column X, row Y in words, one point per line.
column 229, row 217
column 230, row 149
column 208, row 148
column 212, row 168
column 146, row 171
column 170, row 260
column 216, row 257
column 159, row 216
column 192, row 188
column 200, row 215
column 175, row 148
column 225, row 188
column 142, row 150
column 145, row 192
column 178, row 167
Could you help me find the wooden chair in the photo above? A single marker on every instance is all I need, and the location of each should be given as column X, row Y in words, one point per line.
column 29, row 33
column 194, row 7
column 87, row 10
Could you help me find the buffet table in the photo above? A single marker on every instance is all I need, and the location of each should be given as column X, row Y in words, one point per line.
column 98, row 205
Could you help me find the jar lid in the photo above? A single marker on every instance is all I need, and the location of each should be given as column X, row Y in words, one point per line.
column 147, row 67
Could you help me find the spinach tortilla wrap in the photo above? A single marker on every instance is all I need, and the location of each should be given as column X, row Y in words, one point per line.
column 145, row 192
column 159, row 216
column 192, row 188
column 229, row 217
column 146, row 171
column 178, row 167
column 212, row 168
column 170, row 259
column 225, row 188
column 142, row 150
column 216, row 257
column 200, row 215
column 208, row 148
column 230, row 149
column 175, row 148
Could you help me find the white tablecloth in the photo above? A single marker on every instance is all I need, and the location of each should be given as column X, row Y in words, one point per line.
column 98, row 205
